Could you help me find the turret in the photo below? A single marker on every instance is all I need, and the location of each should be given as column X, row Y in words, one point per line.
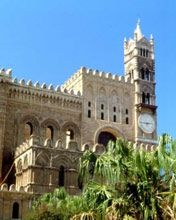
column 139, row 66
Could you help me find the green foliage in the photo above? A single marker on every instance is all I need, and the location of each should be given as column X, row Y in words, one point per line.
column 123, row 183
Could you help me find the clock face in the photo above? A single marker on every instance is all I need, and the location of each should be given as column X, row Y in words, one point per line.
column 146, row 123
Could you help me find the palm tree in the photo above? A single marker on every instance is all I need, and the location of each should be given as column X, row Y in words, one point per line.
column 144, row 181
column 123, row 183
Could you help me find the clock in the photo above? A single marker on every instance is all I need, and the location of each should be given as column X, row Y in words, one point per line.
column 146, row 123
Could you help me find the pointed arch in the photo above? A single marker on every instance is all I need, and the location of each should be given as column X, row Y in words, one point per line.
column 89, row 90
column 50, row 129
column 49, row 132
column 28, row 130
column 71, row 125
column 42, row 159
column 114, row 92
column 102, row 91
column 110, row 129
column 64, row 160
column 71, row 132
column 28, row 125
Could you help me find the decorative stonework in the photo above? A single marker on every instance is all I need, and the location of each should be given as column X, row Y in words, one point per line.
column 45, row 129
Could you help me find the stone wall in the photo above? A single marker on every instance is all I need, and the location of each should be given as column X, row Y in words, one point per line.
column 14, row 202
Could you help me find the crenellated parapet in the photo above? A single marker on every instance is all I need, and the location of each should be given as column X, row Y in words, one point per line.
column 5, row 75
column 12, row 188
column 33, row 141
column 41, row 87
column 142, row 146
column 37, row 142
column 106, row 76
column 96, row 74
column 69, row 93
column 40, row 93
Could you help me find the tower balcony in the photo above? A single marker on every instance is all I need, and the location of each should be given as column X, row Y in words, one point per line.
column 141, row 106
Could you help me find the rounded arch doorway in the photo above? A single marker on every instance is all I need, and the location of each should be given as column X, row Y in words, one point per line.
column 104, row 138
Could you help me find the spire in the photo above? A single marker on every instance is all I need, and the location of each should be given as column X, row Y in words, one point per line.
column 137, row 32
column 151, row 39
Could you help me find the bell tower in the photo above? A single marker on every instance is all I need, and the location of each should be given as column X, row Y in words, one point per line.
column 139, row 65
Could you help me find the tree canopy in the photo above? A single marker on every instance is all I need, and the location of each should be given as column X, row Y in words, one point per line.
column 124, row 182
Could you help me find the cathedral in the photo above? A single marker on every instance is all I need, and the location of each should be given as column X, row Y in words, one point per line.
column 45, row 130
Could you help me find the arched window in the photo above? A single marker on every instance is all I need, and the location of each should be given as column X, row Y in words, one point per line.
column 147, row 74
column 28, row 130
column 114, row 118
column 127, row 120
column 142, row 73
column 89, row 113
column 143, row 97
column 102, row 116
column 61, row 176
column 69, row 136
column 147, row 53
column 102, row 106
column 114, row 109
column 49, row 132
column 126, row 111
column 89, row 110
column 104, row 137
column 148, row 98
column 144, row 52
column 89, row 104
column 15, row 210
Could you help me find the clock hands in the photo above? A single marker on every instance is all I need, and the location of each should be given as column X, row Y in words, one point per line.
column 147, row 123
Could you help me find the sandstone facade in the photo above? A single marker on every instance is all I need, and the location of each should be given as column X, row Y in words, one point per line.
column 44, row 130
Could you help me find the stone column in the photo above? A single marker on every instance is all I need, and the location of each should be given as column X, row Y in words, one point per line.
column 71, row 183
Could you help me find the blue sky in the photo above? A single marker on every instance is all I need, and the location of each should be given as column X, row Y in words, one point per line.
column 48, row 40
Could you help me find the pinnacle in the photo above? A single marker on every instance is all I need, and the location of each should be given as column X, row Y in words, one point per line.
column 138, row 33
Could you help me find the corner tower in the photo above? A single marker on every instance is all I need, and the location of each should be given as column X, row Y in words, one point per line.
column 139, row 65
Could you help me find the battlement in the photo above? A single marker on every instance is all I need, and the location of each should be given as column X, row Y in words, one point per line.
column 43, row 87
column 73, row 146
column 35, row 141
column 83, row 71
column 27, row 144
column 5, row 75
column 37, row 93
column 67, row 89
column 13, row 188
